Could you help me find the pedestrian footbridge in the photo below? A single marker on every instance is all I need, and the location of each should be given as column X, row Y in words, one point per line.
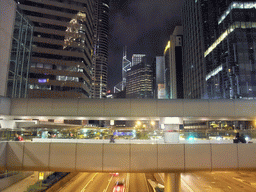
column 128, row 109
column 106, row 157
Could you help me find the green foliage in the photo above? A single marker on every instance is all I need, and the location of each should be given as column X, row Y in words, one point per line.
column 142, row 135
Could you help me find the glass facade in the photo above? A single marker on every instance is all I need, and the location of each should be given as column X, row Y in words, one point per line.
column 230, row 59
column 221, row 62
column 100, row 49
column 126, row 66
column 195, row 32
column 61, row 48
column 137, row 58
column 140, row 80
column 17, row 84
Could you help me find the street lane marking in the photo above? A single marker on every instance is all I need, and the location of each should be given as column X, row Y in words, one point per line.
column 83, row 190
column 127, row 182
column 108, row 184
column 146, row 181
column 160, row 174
column 186, row 185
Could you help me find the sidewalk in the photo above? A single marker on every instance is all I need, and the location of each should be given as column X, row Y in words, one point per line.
column 22, row 185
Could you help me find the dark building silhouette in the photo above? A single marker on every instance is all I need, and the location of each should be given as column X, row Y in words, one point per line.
column 173, row 66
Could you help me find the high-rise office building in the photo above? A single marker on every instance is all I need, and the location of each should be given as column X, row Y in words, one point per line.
column 230, row 56
column 219, row 44
column 139, row 81
column 160, row 69
column 126, row 66
column 17, row 84
column 193, row 22
column 100, row 49
column 62, row 45
column 153, row 68
column 176, row 70
column 137, row 58
column 119, row 87
column 173, row 73
column 167, row 78
column 16, row 32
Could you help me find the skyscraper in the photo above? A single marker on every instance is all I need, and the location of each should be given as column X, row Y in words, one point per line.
column 176, row 72
column 219, row 44
column 167, row 78
column 126, row 66
column 160, row 68
column 62, row 44
column 139, row 82
column 100, row 49
column 15, row 50
column 137, row 58
column 194, row 33
column 17, row 84
column 231, row 54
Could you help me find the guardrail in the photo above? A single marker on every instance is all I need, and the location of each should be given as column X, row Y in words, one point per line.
column 134, row 141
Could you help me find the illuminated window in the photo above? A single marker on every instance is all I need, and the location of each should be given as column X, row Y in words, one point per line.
column 67, row 78
column 227, row 32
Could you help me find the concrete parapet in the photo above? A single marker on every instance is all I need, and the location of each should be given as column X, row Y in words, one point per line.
column 106, row 157
column 134, row 109
column 5, row 106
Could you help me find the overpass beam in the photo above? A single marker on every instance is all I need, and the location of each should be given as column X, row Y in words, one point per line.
column 172, row 182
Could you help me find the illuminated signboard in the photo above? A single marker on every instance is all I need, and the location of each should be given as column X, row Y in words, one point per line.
column 123, row 133
column 42, row 80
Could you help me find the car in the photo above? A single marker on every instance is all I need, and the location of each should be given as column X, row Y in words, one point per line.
column 119, row 187
column 114, row 174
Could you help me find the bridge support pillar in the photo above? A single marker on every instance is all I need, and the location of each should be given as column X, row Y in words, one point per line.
column 8, row 124
column 172, row 182
column 171, row 126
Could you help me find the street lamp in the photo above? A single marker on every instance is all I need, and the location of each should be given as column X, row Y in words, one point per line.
column 138, row 123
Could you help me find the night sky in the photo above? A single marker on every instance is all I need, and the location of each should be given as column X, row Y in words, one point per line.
column 144, row 26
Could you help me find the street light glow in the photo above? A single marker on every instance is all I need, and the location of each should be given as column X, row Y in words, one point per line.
column 138, row 123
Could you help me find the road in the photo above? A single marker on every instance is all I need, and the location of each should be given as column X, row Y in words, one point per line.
column 136, row 182
column 216, row 181
column 221, row 181
column 23, row 184
column 105, row 182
